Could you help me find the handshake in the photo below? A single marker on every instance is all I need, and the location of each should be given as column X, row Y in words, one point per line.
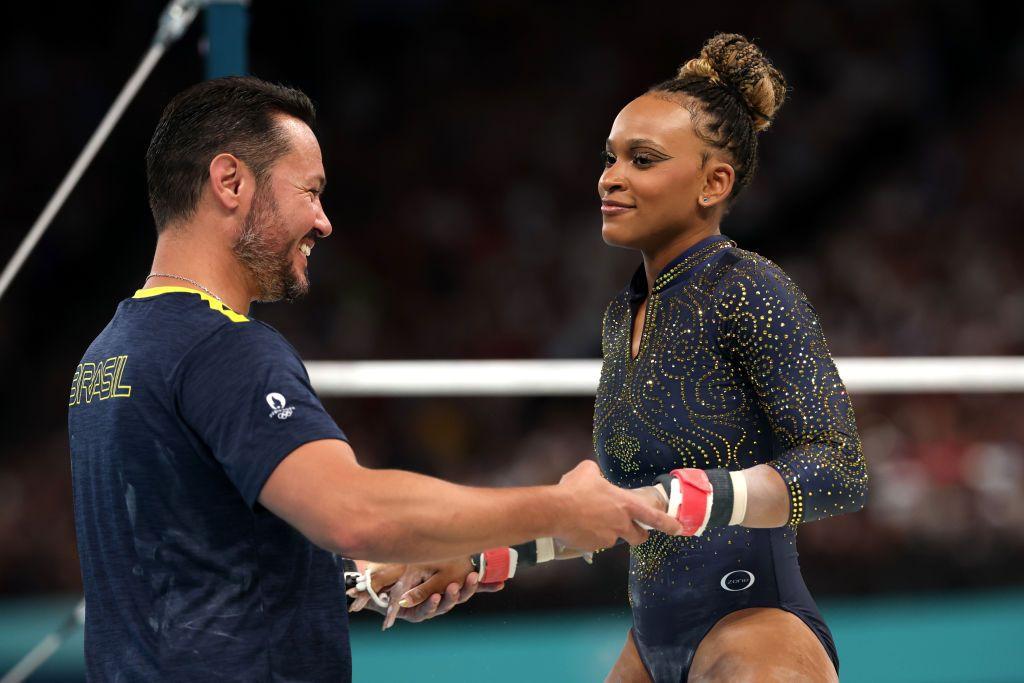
column 591, row 514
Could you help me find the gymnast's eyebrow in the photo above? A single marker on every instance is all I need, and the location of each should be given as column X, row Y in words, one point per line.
column 644, row 142
column 635, row 142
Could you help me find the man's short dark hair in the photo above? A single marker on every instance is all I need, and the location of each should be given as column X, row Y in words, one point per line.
column 233, row 115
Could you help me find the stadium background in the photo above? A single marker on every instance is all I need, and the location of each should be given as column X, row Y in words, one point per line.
column 462, row 141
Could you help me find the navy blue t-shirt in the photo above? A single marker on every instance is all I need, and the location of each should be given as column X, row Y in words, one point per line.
column 178, row 414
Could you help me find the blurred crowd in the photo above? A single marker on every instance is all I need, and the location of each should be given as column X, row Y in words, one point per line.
column 462, row 162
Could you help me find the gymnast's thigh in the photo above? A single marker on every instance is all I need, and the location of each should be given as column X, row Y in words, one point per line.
column 629, row 668
column 762, row 644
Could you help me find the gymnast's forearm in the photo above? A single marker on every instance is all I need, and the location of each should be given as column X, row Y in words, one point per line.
column 768, row 501
column 767, row 498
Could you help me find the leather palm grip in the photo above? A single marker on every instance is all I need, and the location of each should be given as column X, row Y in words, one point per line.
column 497, row 565
column 705, row 498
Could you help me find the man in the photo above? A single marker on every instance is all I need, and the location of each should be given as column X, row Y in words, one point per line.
column 213, row 493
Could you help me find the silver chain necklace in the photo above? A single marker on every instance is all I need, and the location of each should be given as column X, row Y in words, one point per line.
column 189, row 280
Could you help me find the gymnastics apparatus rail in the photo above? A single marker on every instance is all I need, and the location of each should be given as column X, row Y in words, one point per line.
column 908, row 375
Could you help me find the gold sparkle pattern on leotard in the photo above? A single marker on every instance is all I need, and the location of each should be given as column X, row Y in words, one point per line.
column 733, row 371
column 624, row 447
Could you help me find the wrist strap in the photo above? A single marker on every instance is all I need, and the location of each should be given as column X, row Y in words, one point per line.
column 527, row 554
column 496, row 565
column 698, row 496
column 350, row 571
column 722, row 503
column 700, row 499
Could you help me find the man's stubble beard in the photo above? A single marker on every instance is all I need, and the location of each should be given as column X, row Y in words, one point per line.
column 257, row 248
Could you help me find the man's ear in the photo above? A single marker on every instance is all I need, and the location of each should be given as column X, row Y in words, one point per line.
column 230, row 181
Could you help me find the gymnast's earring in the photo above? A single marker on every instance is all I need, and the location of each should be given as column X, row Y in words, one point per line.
column 705, row 200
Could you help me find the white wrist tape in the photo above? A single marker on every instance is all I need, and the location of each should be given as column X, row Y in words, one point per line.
column 739, row 500
column 545, row 549
column 675, row 499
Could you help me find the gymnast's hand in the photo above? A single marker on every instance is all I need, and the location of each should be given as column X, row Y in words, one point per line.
column 421, row 591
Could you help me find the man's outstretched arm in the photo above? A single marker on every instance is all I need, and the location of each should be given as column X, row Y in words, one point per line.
column 398, row 516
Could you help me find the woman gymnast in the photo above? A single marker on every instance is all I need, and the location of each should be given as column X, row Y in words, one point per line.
column 716, row 382
column 715, row 364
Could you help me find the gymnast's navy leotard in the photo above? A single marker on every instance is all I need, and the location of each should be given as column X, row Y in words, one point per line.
column 732, row 371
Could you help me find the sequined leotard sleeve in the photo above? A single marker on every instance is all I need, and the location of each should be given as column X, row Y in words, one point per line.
column 769, row 329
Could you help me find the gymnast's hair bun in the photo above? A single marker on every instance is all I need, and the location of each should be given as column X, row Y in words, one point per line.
column 739, row 65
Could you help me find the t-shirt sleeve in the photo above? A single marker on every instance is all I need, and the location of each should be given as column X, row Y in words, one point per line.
column 246, row 394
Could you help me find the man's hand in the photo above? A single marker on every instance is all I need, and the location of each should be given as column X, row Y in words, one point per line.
column 421, row 591
column 652, row 496
column 600, row 513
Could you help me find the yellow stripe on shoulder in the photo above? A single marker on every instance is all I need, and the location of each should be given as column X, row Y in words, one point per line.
column 215, row 304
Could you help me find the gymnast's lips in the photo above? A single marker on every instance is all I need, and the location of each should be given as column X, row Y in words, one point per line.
column 612, row 208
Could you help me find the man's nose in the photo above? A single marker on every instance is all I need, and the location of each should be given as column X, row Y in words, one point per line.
column 322, row 224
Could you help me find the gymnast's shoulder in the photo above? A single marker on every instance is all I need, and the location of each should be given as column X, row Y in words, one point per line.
column 743, row 277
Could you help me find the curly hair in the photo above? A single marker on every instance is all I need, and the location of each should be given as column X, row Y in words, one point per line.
column 732, row 93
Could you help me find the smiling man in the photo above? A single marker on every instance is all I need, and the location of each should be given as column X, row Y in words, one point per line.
column 214, row 496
